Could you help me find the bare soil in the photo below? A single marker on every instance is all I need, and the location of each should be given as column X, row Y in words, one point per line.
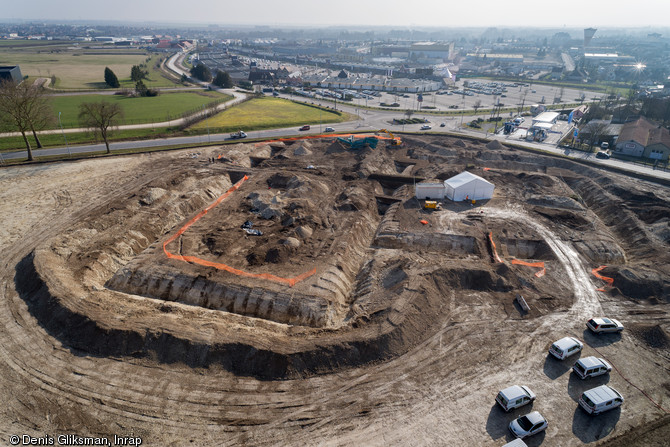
column 403, row 334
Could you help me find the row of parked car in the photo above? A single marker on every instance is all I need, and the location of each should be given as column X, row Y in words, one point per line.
column 593, row 401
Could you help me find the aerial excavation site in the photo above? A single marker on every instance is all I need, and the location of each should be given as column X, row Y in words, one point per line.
column 305, row 292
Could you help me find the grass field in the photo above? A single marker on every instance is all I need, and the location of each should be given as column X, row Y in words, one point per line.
column 163, row 107
column 269, row 113
column 10, row 144
column 78, row 67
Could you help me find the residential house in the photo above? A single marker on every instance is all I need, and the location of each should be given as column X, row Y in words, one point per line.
column 644, row 138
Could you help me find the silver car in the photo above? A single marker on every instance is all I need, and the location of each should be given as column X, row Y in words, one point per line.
column 603, row 325
column 528, row 425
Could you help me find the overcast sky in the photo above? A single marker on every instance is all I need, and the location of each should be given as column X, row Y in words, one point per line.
column 446, row 13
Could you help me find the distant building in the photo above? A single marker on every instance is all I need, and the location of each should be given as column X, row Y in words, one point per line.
column 432, row 50
column 11, row 73
column 644, row 138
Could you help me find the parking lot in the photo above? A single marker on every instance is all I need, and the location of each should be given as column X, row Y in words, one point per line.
column 460, row 97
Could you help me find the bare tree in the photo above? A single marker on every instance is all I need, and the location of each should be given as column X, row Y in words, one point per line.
column 101, row 118
column 596, row 129
column 26, row 108
column 477, row 105
column 409, row 113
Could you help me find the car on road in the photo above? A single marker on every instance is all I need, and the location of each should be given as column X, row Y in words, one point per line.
column 603, row 155
column 426, row 127
column 599, row 399
column 442, row 124
column 305, row 127
column 528, row 425
column 591, row 367
column 565, row 347
column 604, row 325
column 514, row 396
column 238, row 134
column 329, row 129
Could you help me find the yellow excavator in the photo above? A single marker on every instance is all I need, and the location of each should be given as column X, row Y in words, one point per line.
column 394, row 141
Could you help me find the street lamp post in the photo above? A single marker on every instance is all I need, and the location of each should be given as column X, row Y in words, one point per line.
column 63, row 132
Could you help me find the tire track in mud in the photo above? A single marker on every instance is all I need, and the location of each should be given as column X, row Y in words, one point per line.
column 587, row 302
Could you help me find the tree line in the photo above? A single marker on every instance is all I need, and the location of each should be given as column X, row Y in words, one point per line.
column 25, row 108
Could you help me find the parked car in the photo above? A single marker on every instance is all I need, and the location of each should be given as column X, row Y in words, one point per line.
column 599, row 399
column 528, row 425
column 426, row 127
column 603, row 155
column 605, row 145
column 591, row 367
column 305, row 127
column 329, row 129
column 565, row 347
column 514, row 397
column 442, row 124
column 599, row 325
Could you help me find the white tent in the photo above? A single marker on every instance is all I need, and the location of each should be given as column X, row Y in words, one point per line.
column 468, row 185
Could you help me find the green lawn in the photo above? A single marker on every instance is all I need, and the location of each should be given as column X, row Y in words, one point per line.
column 270, row 113
column 159, row 108
column 77, row 67
column 11, row 144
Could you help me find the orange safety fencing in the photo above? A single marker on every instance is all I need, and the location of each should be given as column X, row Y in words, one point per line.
column 195, row 260
column 493, row 248
column 540, row 273
column 608, row 280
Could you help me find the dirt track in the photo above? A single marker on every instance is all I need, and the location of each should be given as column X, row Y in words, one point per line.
column 452, row 335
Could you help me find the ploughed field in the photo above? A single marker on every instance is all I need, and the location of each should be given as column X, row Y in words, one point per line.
column 296, row 292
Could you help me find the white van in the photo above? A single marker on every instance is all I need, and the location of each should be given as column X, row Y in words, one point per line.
column 591, row 367
column 602, row 398
column 565, row 347
column 514, row 397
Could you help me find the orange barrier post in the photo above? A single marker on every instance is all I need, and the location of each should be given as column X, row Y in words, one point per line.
column 540, row 273
column 608, row 280
column 195, row 260
column 493, row 248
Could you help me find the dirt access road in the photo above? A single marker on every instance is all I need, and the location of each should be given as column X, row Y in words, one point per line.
column 438, row 388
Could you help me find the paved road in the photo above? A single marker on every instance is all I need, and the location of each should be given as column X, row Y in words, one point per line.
column 368, row 120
